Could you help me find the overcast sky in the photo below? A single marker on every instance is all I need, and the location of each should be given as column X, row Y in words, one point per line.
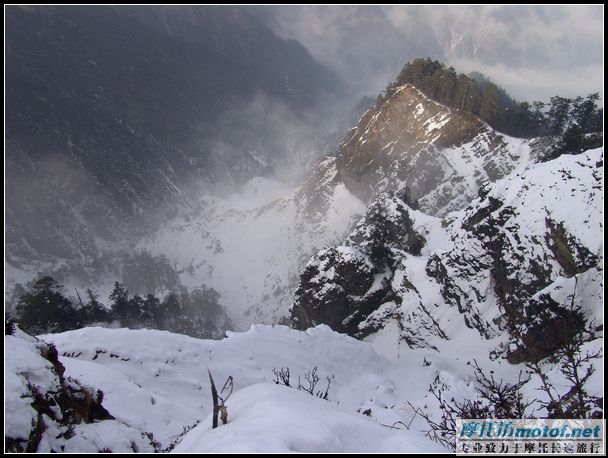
column 532, row 51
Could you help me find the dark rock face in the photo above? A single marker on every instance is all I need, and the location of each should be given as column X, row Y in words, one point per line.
column 573, row 257
column 548, row 325
column 386, row 225
column 335, row 290
column 342, row 286
column 67, row 404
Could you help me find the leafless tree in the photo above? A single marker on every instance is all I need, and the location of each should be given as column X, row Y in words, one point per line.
column 281, row 376
column 495, row 399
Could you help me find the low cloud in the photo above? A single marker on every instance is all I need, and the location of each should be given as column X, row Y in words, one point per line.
column 532, row 51
column 527, row 83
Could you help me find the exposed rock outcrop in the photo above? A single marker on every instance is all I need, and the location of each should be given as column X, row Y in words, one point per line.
column 48, row 409
column 441, row 156
column 342, row 286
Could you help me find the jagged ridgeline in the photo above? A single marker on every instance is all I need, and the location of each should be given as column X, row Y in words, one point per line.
column 466, row 226
column 476, row 94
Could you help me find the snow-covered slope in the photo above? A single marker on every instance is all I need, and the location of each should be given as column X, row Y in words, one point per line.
column 156, row 386
column 156, row 382
column 251, row 245
column 48, row 411
column 531, row 240
column 271, row 418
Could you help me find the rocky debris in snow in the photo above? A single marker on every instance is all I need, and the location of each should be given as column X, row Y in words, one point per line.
column 50, row 412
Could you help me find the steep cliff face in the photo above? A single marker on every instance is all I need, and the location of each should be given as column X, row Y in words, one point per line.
column 533, row 241
column 342, row 285
column 437, row 156
column 520, row 259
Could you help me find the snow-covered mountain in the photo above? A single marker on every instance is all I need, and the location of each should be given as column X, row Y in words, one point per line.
column 252, row 245
column 426, row 276
column 184, row 152
column 527, row 242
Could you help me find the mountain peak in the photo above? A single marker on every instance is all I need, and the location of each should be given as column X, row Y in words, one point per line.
column 410, row 144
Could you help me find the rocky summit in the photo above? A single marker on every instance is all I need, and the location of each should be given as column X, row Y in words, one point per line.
column 437, row 155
